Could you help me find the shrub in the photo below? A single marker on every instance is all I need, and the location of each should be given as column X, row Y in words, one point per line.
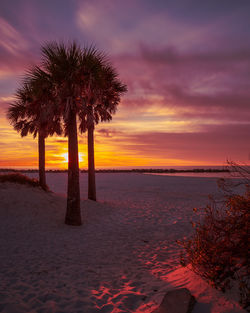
column 19, row 178
column 218, row 251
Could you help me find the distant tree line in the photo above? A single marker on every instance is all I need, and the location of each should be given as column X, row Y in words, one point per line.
column 136, row 170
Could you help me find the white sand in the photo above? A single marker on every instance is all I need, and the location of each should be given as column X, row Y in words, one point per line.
column 122, row 259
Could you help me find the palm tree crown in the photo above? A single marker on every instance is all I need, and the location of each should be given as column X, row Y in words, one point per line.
column 34, row 109
column 101, row 89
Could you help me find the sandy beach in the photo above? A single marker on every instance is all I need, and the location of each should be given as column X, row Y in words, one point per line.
column 122, row 259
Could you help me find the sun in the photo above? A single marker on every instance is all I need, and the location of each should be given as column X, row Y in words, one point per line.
column 65, row 157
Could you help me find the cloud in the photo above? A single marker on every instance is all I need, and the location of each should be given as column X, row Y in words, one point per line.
column 218, row 69
column 170, row 55
column 4, row 103
column 16, row 55
column 10, row 39
column 105, row 132
column 227, row 105
column 118, row 26
column 110, row 133
column 212, row 86
column 213, row 145
column 90, row 15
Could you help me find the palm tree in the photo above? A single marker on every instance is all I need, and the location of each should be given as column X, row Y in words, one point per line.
column 100, row 96
column 46, row 110
column 80, row 83
column 62, row 63
column 33, row 112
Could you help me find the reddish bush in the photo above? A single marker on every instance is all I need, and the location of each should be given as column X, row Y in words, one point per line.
column 219, row 249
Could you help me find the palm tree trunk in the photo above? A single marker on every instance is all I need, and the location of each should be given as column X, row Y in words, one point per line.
column 41, row 152
column 91, row 165
column 91, row 157
column 73, row 213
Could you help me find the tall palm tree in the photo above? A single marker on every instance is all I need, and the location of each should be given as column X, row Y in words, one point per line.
column 46, row 110
column 33, row 112
column 99, row 99
column 62, row 63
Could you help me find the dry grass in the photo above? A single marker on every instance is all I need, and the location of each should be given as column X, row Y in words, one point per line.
column 19, row 178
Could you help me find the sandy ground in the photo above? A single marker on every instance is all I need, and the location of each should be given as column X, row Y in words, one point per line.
column 122, row 259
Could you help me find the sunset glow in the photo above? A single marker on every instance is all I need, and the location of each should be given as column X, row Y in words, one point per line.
column 124, row 156
column 186, row 67
column 65, row 156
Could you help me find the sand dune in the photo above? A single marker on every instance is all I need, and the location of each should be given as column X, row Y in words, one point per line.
column 122, row 259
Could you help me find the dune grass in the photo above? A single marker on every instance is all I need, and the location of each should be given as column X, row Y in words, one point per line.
column 19, row 178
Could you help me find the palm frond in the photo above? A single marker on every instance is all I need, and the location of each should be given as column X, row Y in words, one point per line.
column 16, row 111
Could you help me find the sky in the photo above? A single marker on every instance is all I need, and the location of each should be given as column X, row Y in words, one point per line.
column 186, row 64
